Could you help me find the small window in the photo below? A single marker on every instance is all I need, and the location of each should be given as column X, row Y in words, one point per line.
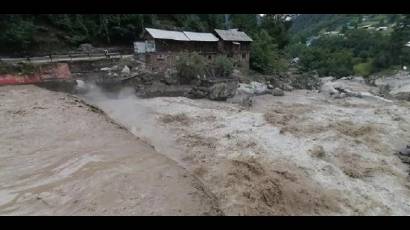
column 209, row 57
column 243, row 56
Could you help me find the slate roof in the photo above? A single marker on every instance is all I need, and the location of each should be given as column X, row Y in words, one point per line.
column 202, row 37
column 233, row 35
column 181, row 36
column 167, row 34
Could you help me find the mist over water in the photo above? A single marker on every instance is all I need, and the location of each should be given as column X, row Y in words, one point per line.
column 134, row 113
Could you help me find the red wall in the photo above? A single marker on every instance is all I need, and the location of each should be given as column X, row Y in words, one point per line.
column 59, row 71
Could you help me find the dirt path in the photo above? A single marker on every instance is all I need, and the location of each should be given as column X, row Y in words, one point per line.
column 60, row 157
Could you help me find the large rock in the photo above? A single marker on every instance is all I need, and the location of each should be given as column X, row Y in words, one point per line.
column 404, row 155
column 223, row 90
column 198, row 92
column 254, row 87
column 346, row 88
column 105, row 69
column 278, row 92
column 242, row 98
column 125, row 70
column 286, row 87
column 328, row 89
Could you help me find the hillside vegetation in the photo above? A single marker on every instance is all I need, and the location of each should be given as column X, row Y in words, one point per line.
column 342, row 45
column 330, row 44
column 48, row 33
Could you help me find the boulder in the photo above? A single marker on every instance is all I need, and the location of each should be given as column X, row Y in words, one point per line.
column 404, row 155
column 223, row 90
column 115, row 68
column 198, row 92
column 318, row 151
column 254, row 87
column 287, row 87
column 277, row 92
column 242, row 98
column 125, row 70
column 105, row 69
column 328, row 89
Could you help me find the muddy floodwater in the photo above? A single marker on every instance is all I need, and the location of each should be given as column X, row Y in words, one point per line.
column 301, row 154
column 60, row 157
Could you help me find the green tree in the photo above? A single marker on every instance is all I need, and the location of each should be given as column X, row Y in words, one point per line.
column 16, row 32
column 265, row 56
column 399, row 37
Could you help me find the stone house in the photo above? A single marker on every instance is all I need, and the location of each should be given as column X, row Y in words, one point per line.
column 161, row 48
column 236, row 44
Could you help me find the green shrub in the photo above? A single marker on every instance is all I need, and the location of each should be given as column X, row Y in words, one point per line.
column 189, row 66
column 363, row 69
column 222, row 66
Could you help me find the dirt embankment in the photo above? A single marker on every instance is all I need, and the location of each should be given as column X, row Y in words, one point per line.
column 61, row 157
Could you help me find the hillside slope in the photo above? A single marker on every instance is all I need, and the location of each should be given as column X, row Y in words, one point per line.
column 306, row 25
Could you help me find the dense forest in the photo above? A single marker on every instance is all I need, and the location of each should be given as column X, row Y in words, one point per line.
column 353, row 51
